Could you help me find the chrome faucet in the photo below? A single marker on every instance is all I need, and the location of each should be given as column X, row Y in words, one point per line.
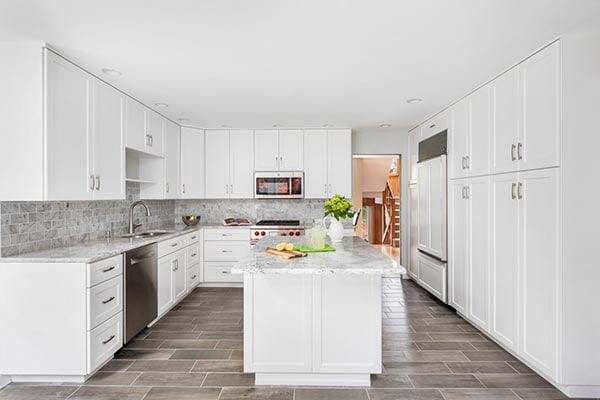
column 132, row 226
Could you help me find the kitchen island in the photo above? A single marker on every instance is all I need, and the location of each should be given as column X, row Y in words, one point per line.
column 314, row 320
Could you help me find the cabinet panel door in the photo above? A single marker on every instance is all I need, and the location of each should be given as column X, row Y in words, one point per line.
column 166, row 297
column 413, row 148
column 539, row 257
column 315, row 164
column 540, row 124
column 109, row 146
column 479, row 252
column 241, row 162
column 458, row 244
column 266, row 150
column 339, row 162
column 154, row 129
column 179, row 284
column 217, row 164
column 413, row 265
column 192, row 163
column 135, row 125
column 478, row 157
column 291, row 150
column 504, row 260
column 172, row 141
column 432, row 207
column 458, row 140
column 505, row 122
column 68, row 135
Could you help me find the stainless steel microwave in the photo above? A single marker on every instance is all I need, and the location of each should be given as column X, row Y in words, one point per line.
column 279, row 185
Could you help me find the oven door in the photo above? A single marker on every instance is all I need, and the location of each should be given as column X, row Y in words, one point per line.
column 278, row 185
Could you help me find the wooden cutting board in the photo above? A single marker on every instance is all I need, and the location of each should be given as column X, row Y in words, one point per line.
column 287, row 254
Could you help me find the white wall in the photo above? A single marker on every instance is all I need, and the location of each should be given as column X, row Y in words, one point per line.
column 374, row 173
column 388, row 141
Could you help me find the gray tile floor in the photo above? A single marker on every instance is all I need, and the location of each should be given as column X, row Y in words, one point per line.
column 195, row 352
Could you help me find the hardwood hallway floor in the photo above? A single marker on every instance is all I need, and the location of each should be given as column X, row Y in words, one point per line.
column 195, row 352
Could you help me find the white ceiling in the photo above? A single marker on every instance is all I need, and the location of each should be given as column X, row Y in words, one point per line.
column 296, row 63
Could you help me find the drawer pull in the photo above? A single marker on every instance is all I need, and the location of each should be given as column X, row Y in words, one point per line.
column 194, row 254
column 109, row 339
column 194, row 277
column 105, row 270
column 108, row 300
column 225, row 234
column 174, row 244
column 225, row 272
column 194, row 237
column 226, row 251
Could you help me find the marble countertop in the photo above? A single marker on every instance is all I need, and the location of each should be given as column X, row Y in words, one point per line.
column 92, row 251
column 352, row 256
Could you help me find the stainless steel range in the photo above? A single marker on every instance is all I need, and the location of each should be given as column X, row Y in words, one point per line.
column 276, row 227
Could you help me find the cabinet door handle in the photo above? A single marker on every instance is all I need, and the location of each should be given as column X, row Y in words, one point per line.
column 194, row 254
column 468, row 162
column 174, row 244
column 330, row 191
column 513, row 191
column 92, row 182
column 194, row 277
column 463, row 163
column 520, row 191
column 468, row 192
column 111, row 298
column 431, row 126
column 520, row 151
column 325, row 188
column 193, row 237
column 513, row 148
column 109, row 339
column 183, row 188
column 97, row 182
column 147, row 140
column 105, row 270
column 464, row 195
column 167, row 187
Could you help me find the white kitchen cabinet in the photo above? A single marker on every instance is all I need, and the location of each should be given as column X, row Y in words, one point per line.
column 458, row 244
column 505, row 122
column 108, row 145
column 229, row 161
column 435, row 125
column 328, row 163
column 291, row 150
column 539, row 268
column 166, row 295
column 413, row 218
column 432, row 207
column 241, row 160
column 432, row 276
column 458, row 140
column 144, row 128
column 179, row 274
column 478, row 156
column 69, row 170
column 172, row 141
column 413, row 149
column 339, row 162
column 192, row 164
column 504, row 259
column 223, row 247
column 155, row 131
column 266, row 150
column 279, row 150
column 539, row 142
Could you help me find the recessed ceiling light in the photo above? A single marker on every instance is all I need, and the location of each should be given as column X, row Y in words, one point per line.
column 183, row 119
column 414, row 101
column 111, row 72
column 385, row 125
column 161, row 105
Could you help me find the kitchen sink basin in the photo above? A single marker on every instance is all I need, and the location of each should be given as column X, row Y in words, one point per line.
column 147, row 234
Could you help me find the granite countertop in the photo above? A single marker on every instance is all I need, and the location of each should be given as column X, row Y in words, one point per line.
column 352, row 256
column 92, row 251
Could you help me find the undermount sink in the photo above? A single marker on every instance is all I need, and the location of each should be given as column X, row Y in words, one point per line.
column 147, row 234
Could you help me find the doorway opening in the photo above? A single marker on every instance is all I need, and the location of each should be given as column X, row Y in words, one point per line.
column 376, row 183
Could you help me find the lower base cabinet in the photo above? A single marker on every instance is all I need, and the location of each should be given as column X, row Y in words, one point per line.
column 223, row 247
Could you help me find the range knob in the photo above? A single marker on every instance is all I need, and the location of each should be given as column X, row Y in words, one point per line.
column 256, row 233
column 297, row 233
column 263, row 233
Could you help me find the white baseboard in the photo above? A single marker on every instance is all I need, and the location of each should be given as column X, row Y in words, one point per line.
column 582, row 392
column 299, row 379
column 48, row 378
column 221, row 285
column 4, row 381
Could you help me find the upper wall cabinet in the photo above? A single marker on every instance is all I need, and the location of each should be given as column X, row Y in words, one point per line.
column 229, row 172
column 192, row 163
column 172, row 154
column 84, row 135
column 144, row 128
column 435, row 125
column 278, row 150
column 327, row 163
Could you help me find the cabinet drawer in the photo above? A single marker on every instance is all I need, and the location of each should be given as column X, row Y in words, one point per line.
column 193, row 277
column 432, row 275
column 221, row 272
column 225, row 251
column 104, row 301
column 104, row 270
column 172, row 245
column 193, row 254
column 227, row 234
column 434, row 126
column 193, row 237
column 104, row 341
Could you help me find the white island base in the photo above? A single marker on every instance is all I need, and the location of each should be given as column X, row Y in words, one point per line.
column 312, row 329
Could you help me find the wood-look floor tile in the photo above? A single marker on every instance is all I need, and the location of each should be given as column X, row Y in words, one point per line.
column 409, row 367
column 489, row 355
column 513, row 381
column 109, row 393
column 457, row 337
column 231, row 344
column 218, row 366
column 117, row 365
column 175, row 393
column 257, row 394
column 404, row 394
column 445, row 381
column 143, row 344
column 445, row 346
column 112, row 378
column 173, row 335
column 162, row 366
column 433, row 355
column 520, row 367
column 390, row 381
column 486, row 346
column 201, row 355
column 481, row 367
column 540, row 394
column 42, row 392
column 478, row 394
column 331, row 394
column 170, row 379
column 228, row 379
column 144, row 354
column 205, row 344
column 237, row 355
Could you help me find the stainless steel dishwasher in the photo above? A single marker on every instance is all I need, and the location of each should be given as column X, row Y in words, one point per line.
column 141, row 303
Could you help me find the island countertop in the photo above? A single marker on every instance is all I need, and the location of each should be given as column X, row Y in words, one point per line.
column 352, row 256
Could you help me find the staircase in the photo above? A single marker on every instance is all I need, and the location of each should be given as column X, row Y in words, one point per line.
column 392, row 222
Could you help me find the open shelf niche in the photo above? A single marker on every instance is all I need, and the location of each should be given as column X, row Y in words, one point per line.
column 149, row 171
